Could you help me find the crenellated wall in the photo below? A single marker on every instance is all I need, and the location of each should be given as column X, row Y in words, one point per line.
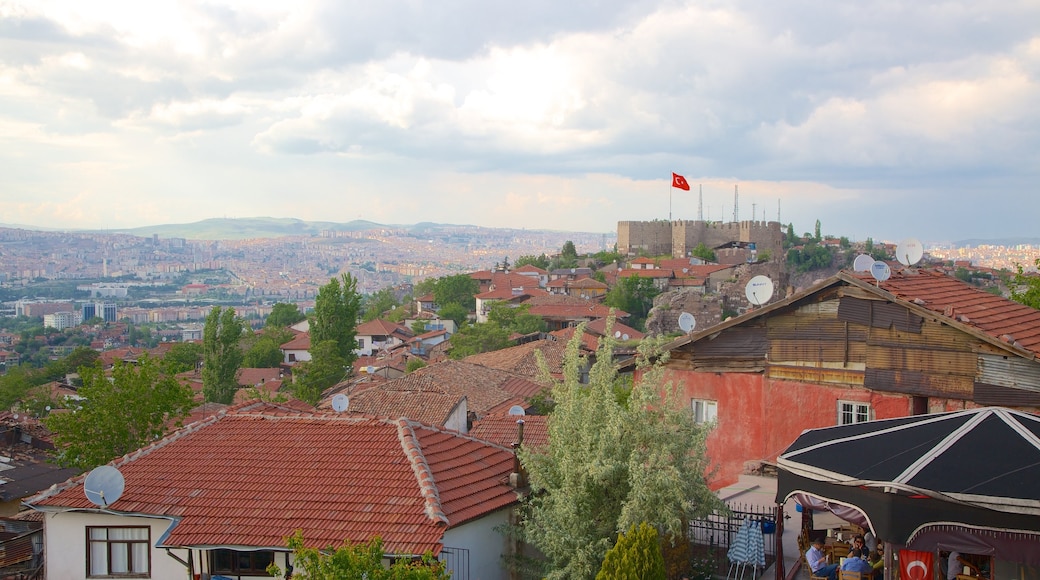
column 678, row 238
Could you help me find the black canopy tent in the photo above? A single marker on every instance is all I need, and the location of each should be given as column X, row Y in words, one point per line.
column 968, row 479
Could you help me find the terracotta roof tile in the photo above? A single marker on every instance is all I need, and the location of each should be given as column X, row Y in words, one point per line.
column 502, row 429
column 253, row 474
column 521, row 359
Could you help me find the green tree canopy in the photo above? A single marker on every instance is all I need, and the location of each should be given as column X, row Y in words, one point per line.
column 356, row 562
column 222, row 355
column 326, row 368
column 120, row 415
column 634, row 295
column 454, row 311
column 284, row 314
column 541, row 261
column 457, row 289
column 181, row 358
column 636, row 556
column 618, row 455
column 376, row 304
column 1025, row 289
column 703, row 252
column 336, row 311
column 477, row 338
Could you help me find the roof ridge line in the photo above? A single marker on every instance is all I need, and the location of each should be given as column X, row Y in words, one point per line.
column 421, row 469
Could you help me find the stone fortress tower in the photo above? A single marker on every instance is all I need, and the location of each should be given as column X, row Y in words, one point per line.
column 678, row 238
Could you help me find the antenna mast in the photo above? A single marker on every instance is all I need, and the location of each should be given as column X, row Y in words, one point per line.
column 700, row 202
column 736, row 203
column 778, row 210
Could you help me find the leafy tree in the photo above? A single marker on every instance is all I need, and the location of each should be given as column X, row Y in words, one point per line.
column 844, row 243
column 816, row 235
column 182, row 357
column 477, row 338
column 326, row 368
column 541, row 261
column 810, row 257
column 1026, row 289
column 790, row 239
column 703, row 252
column 413, row 364
column 336, row 310
column 419, row 327
column 376, row 304
column 568, row 255
column 454, row 311
column 634, row 295
column 284, row 314
column 14, row 385
column 457, row 289
column 265, row 353
column 222, row 355
column 613, row 461
column 356, row 562
column 424, row 287
column 636, row 556
column 118, row 415
column 516, row 319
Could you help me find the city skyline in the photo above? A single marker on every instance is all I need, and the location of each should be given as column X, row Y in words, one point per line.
column 878, row 119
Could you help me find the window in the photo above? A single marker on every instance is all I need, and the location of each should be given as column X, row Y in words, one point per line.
column 850, row 412
column 361, row 344
column 705, row 411
column 119, row 552
column 236, row 562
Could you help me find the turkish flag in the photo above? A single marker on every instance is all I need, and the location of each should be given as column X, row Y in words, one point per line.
column 680, row 182
column 914, row 565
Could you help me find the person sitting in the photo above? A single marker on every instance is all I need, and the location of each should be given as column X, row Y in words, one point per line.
column 877, row 562
column 817, row 561
column 855, row 563
column 859, row 543
column 955, row 565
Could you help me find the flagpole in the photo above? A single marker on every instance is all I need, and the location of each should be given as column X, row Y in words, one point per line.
column 670, row 203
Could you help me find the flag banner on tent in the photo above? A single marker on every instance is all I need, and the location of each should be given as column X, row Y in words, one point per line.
column 680, row 182
column 914, row 565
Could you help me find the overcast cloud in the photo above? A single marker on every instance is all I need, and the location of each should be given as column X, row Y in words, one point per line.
column 882, row 119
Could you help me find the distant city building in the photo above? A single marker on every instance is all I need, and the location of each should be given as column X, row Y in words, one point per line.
column 61, row 320
column 103, row 310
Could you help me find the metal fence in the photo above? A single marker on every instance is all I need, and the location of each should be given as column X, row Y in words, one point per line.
column 456, row 560
column 712, row 536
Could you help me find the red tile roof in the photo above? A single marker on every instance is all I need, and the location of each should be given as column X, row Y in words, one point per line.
column 587, row 311
column 531, row 268
column 250, row 476
column 998, row 317
column 502, row 429
column 379, row 327
column 301, row 342
column 521, row 359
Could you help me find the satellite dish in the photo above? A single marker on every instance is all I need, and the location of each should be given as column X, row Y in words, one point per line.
column 104, row 485
column 880, row 271
column 340, row 403
column 517, row 411
column 862, row 263
column 909, row 251
column 624, row 336
column 687, row 322
column 370, row 369
column 685, row 270
column 617, row 334
column 759, row 290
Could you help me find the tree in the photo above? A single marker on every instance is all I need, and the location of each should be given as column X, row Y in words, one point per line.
column 454, row 311
column 568, row 255
column 357, row 561
column 413, row 365
column 790, row 239
column 326, row 368
column 634, row 295
column 457, row 289
column 816, row 233
column 265, row 353
column 376, row 304
column 284, row 314
column 336, row 311
column 703, row 252
column 1026, row 289
column 636, row 556
column 118, row 415
column 617, row 455
column 541, row 261
column 477, row 338
column 516, row 319
column 221, row 354
column 182, row 357
column 14, row 385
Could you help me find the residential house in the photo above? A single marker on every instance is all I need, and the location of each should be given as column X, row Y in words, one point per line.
column 563, row 311
column 514, row 296
column 431, row 322
column 535, row 272
column 851, row 349
column 426, row 303
column 297, row 349
column 221, row 495
column 380, row 335
column 522, row 359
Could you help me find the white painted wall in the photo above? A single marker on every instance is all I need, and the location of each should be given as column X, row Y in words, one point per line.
column 65, row 544
column 486, row 546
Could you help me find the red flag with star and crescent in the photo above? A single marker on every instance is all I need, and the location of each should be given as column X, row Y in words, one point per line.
column 915, row 565
column 680, row 182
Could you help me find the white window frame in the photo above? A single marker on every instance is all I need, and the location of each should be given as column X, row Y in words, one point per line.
column 704, row 411
column 852, row 412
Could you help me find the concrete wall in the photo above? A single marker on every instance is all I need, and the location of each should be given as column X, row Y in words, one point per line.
column 486, row 546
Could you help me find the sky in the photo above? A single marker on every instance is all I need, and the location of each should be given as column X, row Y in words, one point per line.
column 881, row 119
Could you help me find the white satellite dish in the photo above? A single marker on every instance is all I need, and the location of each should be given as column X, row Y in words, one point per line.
column 687, row 322
column 104, row 485
column 909, row 251
column 517, row 411
column 759, row 290
column 340, row 403
column 617, row 334
column 862, row 263
column 370, row 369
column 880, row 271
column 624, row 336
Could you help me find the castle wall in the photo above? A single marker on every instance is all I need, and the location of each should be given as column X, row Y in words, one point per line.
column 679, row 238
column 651, row 238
